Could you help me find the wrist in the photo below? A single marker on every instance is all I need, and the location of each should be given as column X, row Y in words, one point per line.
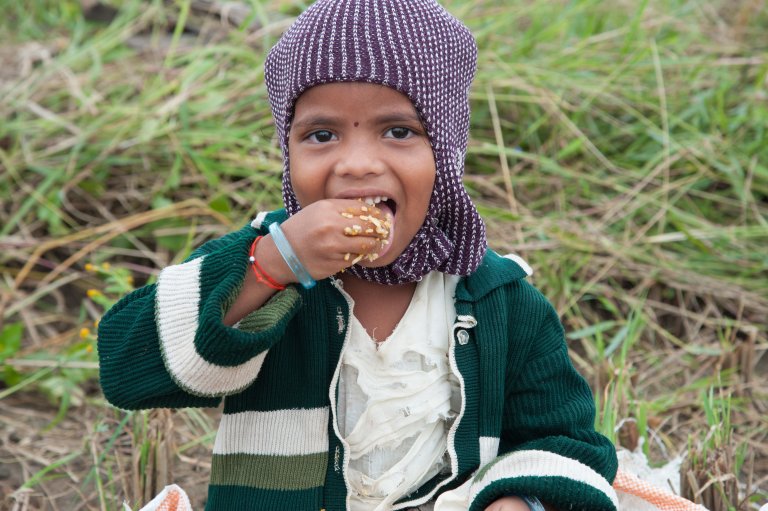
column 290, row 258
column 272, row 262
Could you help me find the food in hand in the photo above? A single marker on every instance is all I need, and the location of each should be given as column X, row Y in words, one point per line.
column 381, row 227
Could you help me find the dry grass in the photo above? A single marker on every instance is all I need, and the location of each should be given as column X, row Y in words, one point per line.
column 619, row 147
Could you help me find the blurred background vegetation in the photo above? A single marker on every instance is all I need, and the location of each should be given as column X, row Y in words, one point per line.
column 619, row 146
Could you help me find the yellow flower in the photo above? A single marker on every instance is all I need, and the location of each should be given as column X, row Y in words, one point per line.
column 89, row 267
column 84, row 333
column 92, row 293
column 89, row 348
column 105, row 266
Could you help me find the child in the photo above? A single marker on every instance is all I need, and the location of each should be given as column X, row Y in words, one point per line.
column 372, row 354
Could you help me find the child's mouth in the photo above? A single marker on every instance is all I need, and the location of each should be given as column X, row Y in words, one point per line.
column 385, row 204
column 388, row 207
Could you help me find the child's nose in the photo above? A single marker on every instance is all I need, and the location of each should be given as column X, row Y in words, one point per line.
column 359, row 160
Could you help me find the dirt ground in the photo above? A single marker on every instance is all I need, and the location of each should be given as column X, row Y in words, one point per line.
column 87, row 436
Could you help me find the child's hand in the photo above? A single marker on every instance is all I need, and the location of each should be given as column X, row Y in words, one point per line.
column 508, row 504
column 330, row 235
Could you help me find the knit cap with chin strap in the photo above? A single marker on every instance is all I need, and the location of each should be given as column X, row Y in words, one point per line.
column 417, row 48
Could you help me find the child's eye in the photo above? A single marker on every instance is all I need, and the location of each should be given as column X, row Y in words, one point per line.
column 321, row 136
column 399, row 132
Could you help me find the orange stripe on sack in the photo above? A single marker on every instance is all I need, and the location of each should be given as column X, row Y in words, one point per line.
column 662, row 499
column 172, row 502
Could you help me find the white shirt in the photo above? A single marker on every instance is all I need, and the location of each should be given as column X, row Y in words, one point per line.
column 398, row 399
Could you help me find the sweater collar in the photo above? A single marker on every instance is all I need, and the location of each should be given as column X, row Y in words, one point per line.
column 494, row 271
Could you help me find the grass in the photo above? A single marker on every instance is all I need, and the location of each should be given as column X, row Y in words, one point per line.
column 620, row 147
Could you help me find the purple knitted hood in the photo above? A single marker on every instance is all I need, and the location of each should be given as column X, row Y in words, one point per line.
column 417, row 48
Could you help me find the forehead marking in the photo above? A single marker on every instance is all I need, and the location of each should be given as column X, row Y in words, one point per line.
column 357, row 124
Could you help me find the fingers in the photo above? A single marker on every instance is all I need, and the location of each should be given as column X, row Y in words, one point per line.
column 333, row 234
column 367, row 221
column 370, row 223
column 368, row 249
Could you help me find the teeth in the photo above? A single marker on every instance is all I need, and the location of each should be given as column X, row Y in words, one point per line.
column 371, row 201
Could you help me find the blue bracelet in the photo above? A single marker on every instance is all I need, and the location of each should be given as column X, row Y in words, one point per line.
column 534, row 504
column 289, row 256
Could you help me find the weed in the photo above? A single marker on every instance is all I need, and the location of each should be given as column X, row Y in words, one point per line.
column 710, row 473
column 620, row 148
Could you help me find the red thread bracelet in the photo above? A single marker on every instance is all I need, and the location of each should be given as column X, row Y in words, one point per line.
column 261, row 275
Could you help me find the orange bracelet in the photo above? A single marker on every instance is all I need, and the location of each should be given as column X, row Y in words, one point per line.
column 261, row 275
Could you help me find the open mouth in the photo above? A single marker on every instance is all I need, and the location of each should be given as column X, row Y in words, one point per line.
column 387, row 205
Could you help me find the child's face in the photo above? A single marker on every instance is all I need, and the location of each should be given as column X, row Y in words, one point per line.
column 363, row 141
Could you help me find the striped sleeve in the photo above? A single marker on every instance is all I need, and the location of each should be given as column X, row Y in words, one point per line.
column 165, row 345
column 204, row 356
column 548, row 446
column 560, row 480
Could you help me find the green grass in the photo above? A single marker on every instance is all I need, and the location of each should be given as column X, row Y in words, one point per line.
column 620, row 147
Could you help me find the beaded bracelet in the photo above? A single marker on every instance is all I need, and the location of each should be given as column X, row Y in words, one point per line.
column 261, row 275
column 289, row 256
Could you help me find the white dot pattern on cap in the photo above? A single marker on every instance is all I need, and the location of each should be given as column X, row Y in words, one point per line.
column 421, row 50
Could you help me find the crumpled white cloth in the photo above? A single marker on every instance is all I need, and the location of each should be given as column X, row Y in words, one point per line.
column 395, row 399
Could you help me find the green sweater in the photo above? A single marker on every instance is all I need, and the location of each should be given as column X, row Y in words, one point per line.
column 526, row 425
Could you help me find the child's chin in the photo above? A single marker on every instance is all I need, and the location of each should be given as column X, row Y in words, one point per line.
column 378, row 263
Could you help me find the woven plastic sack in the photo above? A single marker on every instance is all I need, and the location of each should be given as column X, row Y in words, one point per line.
column 172, row 498
column 654, row 498
column 642, row 488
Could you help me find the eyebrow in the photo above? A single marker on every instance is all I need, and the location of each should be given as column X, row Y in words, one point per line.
column 316, row 120
column 311, row 121
column 398, row 117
